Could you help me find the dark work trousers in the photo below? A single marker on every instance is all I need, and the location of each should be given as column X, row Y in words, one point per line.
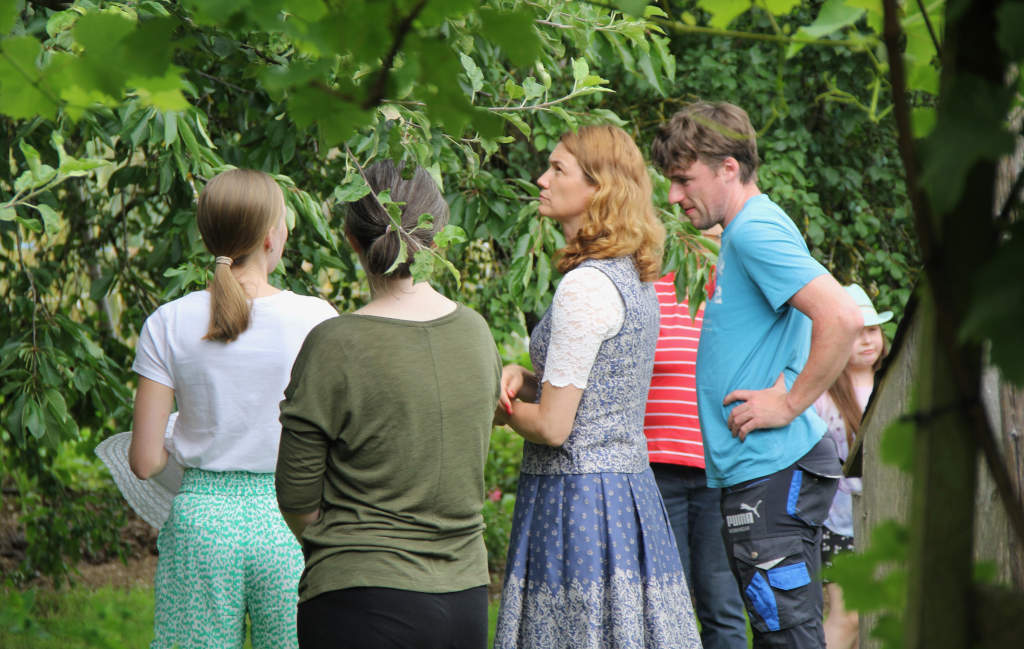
column 387, row 618
column 772, row 533
column 696, row 518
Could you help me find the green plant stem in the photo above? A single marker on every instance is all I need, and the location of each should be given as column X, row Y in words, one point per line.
column 682, row 28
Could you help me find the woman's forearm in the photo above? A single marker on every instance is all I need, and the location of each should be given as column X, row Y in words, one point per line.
column 146, row 453
column 550, row 421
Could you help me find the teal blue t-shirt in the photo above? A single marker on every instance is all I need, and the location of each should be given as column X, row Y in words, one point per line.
column 751, row 335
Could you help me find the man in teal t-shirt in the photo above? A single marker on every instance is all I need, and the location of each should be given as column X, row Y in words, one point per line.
column 778, row 330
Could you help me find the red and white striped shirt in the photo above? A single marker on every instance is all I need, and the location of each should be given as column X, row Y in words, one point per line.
column 671, row 424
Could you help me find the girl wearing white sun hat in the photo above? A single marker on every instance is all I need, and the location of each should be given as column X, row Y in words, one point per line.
column 841, row 407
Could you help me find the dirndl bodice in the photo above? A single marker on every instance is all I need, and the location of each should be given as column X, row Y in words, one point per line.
column 608, row 434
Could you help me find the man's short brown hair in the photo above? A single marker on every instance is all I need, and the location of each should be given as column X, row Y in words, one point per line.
column 709, row 132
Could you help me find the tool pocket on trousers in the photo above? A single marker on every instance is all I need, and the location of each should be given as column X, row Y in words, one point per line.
column 774, row 581
column 814, row 482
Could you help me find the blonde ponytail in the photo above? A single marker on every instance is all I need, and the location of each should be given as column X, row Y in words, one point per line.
column 236, row 210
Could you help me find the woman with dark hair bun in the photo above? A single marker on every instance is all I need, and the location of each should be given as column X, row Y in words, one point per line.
column 386, row 424
column 224, row 354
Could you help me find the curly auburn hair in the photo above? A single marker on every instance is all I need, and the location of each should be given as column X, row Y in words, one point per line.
column 620, row 219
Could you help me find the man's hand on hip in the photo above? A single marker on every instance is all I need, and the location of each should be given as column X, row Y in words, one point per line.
column 767, row 408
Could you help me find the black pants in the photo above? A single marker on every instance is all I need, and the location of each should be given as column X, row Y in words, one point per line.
column 386, row 618
column 772, row 535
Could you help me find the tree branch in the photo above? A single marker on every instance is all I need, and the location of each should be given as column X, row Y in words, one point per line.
column 938, row 278
column 31, row 283
column 931, row 30
column 222, row 81
column 380, row 83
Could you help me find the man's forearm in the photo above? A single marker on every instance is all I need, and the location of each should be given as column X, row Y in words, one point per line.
column 832, row 339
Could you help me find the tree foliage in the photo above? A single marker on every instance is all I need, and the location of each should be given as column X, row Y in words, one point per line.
column 115, row 113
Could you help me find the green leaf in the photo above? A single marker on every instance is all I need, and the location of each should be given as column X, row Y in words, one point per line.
column 513, row 90
column 7, row 213
column 29, row 224
column 83, row 379
column 542, row 72
column 401, row 258
column 452, row 270
column 163, row 92
column 24, row 91
column 516, row 120
column 971, row 127
column 631, row 7
column 9, row 10
column 580, row 70
column 997, row 308
column 151, row 46
column 449, row 235
column 723, row 11
column 648, row 69
column 51, row 222
column 834, row 15
column 425, row 222
column 781, row 7
column 569, row 120
column 59, row 21
column 532, row 89
column 31, row 156
column 476, row 77
column 57, row 404
column 922, row 120
column 100, row 34
column 513, row 32
column 32, row 419
column 543, row 272
column 73, row 167
column 592, row 80
column 352, row 188
column 170, row 128
column 422, row 267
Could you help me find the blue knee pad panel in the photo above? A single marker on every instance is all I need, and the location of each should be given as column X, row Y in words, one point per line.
column 762, row 596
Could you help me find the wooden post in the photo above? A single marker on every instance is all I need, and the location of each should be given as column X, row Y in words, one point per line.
column 940, row 574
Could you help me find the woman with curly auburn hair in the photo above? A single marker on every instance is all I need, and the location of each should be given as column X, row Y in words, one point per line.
column 620, row 220
column 592, row 561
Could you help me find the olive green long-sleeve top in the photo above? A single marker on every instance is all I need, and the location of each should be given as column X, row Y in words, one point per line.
column 386, row 425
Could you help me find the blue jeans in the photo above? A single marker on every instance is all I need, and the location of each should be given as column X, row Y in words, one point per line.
column 696, row 517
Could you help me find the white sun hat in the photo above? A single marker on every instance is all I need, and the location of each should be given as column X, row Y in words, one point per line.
column 151, row 499
column 867, row 309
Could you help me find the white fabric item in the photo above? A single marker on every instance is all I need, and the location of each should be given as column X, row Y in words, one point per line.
column 151, row 499
column 228, row 394
column 586, row 311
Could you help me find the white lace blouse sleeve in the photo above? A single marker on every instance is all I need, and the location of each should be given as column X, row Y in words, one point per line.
column 587, row 310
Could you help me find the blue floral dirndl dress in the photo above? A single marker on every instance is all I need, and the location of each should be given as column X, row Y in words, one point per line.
column 592, row 561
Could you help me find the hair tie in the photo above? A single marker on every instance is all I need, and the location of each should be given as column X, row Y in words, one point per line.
column 221, row 259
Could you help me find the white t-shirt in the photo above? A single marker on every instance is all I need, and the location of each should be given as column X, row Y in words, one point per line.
column 587, row 310
column 228, row 394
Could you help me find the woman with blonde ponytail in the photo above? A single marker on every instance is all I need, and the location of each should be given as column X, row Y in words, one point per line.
column 224, row 355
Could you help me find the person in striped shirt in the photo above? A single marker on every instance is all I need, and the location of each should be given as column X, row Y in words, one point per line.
column 677, row 459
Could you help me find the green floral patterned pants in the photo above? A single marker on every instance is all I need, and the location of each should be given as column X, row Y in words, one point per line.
column 225, row 552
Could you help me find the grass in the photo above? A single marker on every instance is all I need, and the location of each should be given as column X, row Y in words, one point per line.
column 76, row 618
column 87, row 618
